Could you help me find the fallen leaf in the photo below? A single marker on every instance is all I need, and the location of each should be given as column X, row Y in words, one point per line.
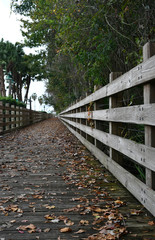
column 49, row 217
column 80, row 231
column 151, row 223
column 68, row 222
column 50, row 207
column 66, row 229
column 31, row 228
column 47, row 230
column 12, row 221
column 99, row 210
column 37, row 196
column 31, row 231
column 118, row 202
column 84, row 222
column 135, row 212
column 111, row 216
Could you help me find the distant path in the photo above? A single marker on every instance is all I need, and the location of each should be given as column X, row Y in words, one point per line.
column 51, row 187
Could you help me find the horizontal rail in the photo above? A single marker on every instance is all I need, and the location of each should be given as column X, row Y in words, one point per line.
column 87, row 120
column 141, row 114
column 143, row 193
column 140, row 153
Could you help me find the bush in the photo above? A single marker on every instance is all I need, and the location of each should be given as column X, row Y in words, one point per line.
column 12, row 101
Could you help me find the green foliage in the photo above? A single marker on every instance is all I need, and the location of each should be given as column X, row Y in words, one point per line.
column 34, row 96
column 86, row 40
column 12, row 101
column 23, row 68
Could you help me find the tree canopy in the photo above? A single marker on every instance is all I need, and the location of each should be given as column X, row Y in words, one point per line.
column 85, row 40
column 21, row 68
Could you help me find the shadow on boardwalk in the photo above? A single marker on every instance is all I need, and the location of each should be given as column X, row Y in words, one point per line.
column 52, row 188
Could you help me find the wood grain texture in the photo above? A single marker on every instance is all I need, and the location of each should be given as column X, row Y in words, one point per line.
column 144, row 155
column 141, row 114
column 143, row 193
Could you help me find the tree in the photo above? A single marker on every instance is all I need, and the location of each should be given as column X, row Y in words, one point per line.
column 2, row 84
column 11, row 61
column 86, row 40
column 21, row 68
column 34, row 97
column 33, row 69
column 40, row 100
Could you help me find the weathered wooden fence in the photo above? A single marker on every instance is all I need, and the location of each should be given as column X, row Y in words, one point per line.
column 99, row 120
column 13, row 117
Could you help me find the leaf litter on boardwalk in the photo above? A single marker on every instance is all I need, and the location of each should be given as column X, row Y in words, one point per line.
column 76, row 167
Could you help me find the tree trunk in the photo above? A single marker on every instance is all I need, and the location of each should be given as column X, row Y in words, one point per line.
column 28, row 81
column 2, row 85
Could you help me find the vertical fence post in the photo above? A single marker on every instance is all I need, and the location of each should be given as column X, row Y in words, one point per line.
column 114, row 101
column 86, row 110
column 12, row 116
column 17, row 116
column 95, row 122
column 149, row 97
column 80, row 121
column 7, row 119
column 76, row 119
column 20, row 117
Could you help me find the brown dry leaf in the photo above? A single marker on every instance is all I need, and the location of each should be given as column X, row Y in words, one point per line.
column 47, row 230
column 12, row 221
column 70, row 209
column 37, row 196
column 135, row 212
column 26, row 227
column 62, row 218
column 84, row 222
column 49, row 217
column 13, row 208
column 118, row 202
column 50, row 207
column 68, row 222
column 32, row 231
column 99, row 210
column 111, row 216
column 80, row 231
column 151, row 223
column 66, row 229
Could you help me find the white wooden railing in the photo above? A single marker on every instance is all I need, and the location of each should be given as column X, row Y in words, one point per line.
column 84, row 116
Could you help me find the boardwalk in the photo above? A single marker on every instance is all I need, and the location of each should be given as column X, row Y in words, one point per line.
column 52, row 188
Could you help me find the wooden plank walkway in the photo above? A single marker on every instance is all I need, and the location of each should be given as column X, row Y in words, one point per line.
column 51, row 187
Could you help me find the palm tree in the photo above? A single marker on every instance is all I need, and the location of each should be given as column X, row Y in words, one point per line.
column 11, row 56
column 40, row 100
column 34, row 97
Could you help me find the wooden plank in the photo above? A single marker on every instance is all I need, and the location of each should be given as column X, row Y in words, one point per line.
column 115, row 101
column 140, row 74
column 141, row 114
column 144, row 155
column 149, row 97
column 144, row 194
column 148, row 51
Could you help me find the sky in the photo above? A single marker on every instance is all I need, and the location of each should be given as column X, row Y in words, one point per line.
column 10, row 31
